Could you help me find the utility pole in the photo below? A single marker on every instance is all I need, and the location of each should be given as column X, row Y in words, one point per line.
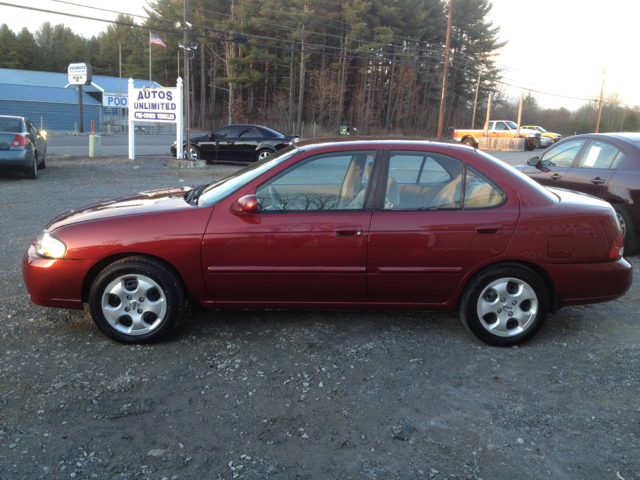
column 519, row 116
column 475, row 103
column 185, row 39
column 486, row 124
column 604, row 74
column 444, row 77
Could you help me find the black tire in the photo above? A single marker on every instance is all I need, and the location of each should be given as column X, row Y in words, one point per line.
column 195, row 153
column 32, row 172
column 494, row 291
column 530, row 147
column 470, row 142
column 265, row 152
column 631, row 242
column 129, row 280
column 43, row 164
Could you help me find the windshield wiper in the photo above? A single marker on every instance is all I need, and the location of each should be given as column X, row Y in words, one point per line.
column 192, row 195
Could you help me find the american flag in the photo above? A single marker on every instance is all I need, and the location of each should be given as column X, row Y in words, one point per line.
column 155, row 39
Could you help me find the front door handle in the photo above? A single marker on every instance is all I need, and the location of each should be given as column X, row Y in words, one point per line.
column 349, row 231
column 488, row 229
column 556, row 176
column 598, row 181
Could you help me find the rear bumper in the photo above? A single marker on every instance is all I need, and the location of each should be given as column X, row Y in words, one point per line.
column 580, row 284
column 54, row 283
column 15, row 159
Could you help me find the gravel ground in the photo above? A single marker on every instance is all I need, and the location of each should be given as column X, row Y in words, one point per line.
column 298, row 394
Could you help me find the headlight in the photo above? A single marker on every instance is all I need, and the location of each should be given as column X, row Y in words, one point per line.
column 49, row 246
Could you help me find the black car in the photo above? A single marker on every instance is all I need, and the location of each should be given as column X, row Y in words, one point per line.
column 238, row 143
column 605, row 165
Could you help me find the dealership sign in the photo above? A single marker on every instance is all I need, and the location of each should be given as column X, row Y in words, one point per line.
column 154, row 105
column 79, row 73
column 115, row 101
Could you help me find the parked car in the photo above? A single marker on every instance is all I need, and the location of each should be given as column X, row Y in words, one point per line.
column 238, row 143
column 605, row 165
column 555, row 137
column 545, row 142
column 358, row 223
column 22, row 146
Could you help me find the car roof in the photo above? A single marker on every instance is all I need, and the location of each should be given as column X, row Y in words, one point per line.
column 378, row 142
column 12, row 116
column 632, row 137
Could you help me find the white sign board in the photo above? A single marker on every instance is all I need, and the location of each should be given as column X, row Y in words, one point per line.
column 115, row 101
column 154, row 104
column 79, row 73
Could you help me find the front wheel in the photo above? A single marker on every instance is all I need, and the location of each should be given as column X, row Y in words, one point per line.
column 136, row 300
column 470, row 142
column 504, row 305
column 194, row 153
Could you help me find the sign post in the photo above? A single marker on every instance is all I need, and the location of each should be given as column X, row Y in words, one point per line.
column 155, row 105
column 80, row 74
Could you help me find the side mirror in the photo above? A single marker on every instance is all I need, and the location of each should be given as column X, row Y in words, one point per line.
column 245, row 205
column 533, row 161
column 211, row 136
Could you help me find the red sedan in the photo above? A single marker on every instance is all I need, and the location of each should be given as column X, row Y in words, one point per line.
column 357, row 223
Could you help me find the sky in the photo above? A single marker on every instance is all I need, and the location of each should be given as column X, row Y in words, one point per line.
column 557, row 47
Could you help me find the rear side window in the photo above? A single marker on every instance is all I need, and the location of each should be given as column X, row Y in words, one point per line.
column 479, row 192
column 601, row 154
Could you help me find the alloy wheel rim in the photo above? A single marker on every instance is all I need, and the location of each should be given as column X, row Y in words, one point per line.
column 263, row 155
column 507, row 307
column 623, row 226
column 134, row 304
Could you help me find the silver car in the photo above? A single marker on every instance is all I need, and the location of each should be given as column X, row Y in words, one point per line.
column 22, row 146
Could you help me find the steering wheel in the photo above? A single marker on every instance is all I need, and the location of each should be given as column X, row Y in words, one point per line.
column 275, row 198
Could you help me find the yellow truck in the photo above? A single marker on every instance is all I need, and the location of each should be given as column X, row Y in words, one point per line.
column 502, row 129
column 556, row 137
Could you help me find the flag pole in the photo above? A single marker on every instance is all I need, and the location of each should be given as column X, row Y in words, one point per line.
column 149, row 58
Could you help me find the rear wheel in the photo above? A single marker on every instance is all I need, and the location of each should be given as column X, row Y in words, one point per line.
column 262, row 154
column 469, row 141
column 631, row 242
column 136, row 300
column 32, row 171
column 504, row 305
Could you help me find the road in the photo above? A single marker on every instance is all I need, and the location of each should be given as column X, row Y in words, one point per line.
column 158, row 145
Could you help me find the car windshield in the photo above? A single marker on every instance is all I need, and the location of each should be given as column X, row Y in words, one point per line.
column 540, row 129
column 512, row 124
column 215, row 192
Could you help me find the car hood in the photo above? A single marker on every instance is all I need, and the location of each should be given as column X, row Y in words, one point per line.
column 153, row 201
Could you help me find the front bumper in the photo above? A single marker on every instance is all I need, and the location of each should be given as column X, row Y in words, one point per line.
column 609, row 280
column 54, row 283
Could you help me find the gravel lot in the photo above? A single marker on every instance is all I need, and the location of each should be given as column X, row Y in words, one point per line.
column 298, row 394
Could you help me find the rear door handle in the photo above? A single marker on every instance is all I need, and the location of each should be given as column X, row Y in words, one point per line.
column 598, row 181
column 349, row 231
column 556, row 176
column 488, row 229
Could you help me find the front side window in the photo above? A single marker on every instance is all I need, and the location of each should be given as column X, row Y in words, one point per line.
column 228, row 132
column 601, row 154
column 334, row 181
column 501, row 126
column 562, row 155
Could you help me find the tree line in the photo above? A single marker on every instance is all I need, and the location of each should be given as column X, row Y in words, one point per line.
column 298, row 65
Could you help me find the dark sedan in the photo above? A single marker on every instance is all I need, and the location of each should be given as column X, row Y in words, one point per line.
column 22, row 146
column 337, row 224
column 605, row 165
column 238, row 143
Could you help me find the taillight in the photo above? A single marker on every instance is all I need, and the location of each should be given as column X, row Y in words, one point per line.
column 19, row 141
column 286, row 143
column 617, row 247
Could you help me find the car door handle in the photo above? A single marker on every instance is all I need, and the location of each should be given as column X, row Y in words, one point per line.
column 488, row 229
column 598, row 181
column 349, row 231
column 556, row 176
